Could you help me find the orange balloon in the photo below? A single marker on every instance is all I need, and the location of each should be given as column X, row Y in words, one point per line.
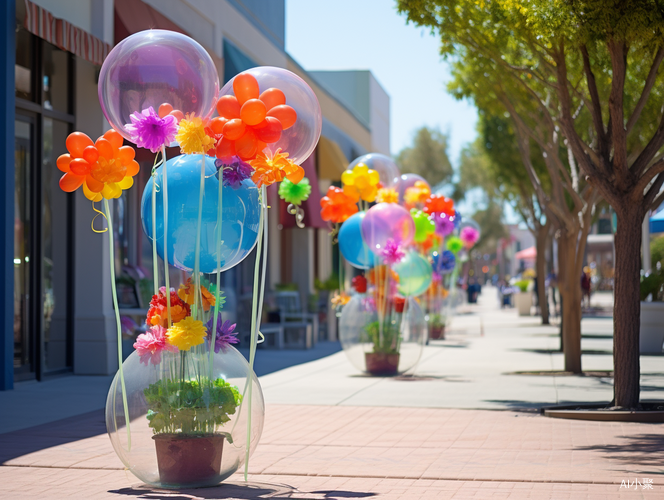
column 217, row 124
column 90, row 154
column 225, row 148
column 179, row 115
column 165, row 109
column 228, row 107
column 126, row 154
column 71, row 182
column 79, row 166
column 253, row 112
column 105, row 148
column 93, row 184
column 273, row 97
column 234, row 129
column 285, row 114
column 76, row 142
column 114, row 138
column 269, row 130
column 132, row 168
column 245, row 87
column 63, row 162
column 245, row 146
column 260, row 146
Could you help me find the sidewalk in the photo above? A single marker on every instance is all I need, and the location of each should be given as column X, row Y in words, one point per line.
column 331, row 433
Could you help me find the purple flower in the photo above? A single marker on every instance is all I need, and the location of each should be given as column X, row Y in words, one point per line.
column 234, row 170
column 469, row 235
column 369, row 304
column 147, row 130
column 444, row 226
column 392, row 253
column 225, row 334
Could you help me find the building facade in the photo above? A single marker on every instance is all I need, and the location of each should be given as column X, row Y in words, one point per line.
column 58, row 312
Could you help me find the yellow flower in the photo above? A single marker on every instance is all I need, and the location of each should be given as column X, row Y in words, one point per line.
column 187, row 293
column 387, row 195
column 340, row 299
column 187, row 333
column 361, row 182
column 270, row 168
column 192, row 137
column 418, row 193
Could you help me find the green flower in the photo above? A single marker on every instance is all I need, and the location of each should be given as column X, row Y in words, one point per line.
column 294, row 193
column 454, row 244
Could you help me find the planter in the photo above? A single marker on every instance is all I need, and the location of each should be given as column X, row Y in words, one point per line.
column 651, row 335
column 380, row 363
column 523, row 302
column 437, row 332
column 189, row 460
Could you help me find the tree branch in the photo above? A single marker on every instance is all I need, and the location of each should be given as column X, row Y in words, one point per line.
column 618, row 53
column 647, row 87
column 596, row 109
column 645, row 179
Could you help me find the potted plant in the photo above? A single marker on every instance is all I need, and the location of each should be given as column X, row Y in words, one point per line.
column 385, row 338
column 523, row 299
column 651, row 335
column 437, row 327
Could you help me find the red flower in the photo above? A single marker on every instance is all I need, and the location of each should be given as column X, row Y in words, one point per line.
column 360, row 284
column 436, row 204
column 158, row 311
column 399, row 304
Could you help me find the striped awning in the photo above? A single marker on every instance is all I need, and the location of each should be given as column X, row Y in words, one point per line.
column 64, row 35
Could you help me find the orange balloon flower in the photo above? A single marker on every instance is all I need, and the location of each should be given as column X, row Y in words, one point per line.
column 337, row 206
column 269, row 169
column 418, row 193
column 249, row 120
column 104, row 168
column 436, row 204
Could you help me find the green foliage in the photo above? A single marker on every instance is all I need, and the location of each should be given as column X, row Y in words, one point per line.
column 657, row 250
column 437, row 320
column 285, row 287
column 386, row 340
column 653, row 284
column 330, row 284
column 427, row 156
column 523, row 285
column 190, row 407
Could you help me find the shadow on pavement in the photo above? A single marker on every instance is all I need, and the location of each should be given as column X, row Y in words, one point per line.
column 640, row 449
column 272, row 360
column 589, row 352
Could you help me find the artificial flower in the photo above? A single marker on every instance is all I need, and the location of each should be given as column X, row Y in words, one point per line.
column 392, row 252
column 424, row 226
column 104, row 168
column 469, row 235
column 225, row 334
column 151, row 344
column 336, row 206
column 294, row 193
column 339, row 299
column 444, row 263
column 369, row 304
column 186, row 333
column 147, row 130
column 158, row 311
column 359, row 282
column 417, row 193
column 444, row 224
column 187, row 292
column 361, row 183
column 399, row 304
column 192, row 137
column 436, row 204
column 234, row 171
column 387, row 195
column 454, row 244
column 270, row 168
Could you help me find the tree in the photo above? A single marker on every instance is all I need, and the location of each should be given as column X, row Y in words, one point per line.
column 592, row 68
column 427, row 156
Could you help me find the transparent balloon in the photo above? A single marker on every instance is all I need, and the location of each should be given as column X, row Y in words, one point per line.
column 352, row 245
column 382, row 339
column 386, row 221
column 156, row 67
column 178, row 438
column 385, row 166
column 285, row 89
column 406, row 181
column 414, row 272
column 240, row 215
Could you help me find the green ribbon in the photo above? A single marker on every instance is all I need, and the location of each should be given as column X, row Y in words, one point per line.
column 213, row 334
column 165, row 202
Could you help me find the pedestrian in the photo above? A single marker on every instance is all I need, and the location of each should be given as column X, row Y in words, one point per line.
column 553, row 285
column 585, row 285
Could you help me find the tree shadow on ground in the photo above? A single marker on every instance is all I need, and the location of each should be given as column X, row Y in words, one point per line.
column 515, row 404
column 587, row 352
column 641, row 450
column 240, row 491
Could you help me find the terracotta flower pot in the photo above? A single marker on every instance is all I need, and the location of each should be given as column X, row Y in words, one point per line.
column 189, row 460
column 380, row 363
column 437, row 332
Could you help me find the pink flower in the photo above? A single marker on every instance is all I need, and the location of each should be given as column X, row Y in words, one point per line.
column 147, row 130
column 469, row 235
column 392, row 253
column 149, row 345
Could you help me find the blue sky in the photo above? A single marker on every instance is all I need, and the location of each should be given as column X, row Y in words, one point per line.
column 370, row 34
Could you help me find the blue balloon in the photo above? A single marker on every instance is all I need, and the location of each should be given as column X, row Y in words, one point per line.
column 240, row 215
column 352, row 245
column 443, row 263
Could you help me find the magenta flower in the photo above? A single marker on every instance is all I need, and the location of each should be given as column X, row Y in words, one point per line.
column 235, row 171
column 392, row 253
column 147, row 130
column 444, row 224
column 225, row 334
column 469, row 235
column 149, row 345
column 369, row 304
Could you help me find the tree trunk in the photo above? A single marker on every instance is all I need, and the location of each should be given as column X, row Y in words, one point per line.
column 627, row 307
column 541, row 242
column 570, row 296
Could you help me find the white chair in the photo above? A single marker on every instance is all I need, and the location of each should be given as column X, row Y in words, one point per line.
column 293, row 315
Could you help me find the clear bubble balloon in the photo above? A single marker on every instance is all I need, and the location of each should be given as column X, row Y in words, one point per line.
column 275, row 109
column 386, row 221
column 155, row 68
column 241, row 213
column 385, row 166
column 406, row 181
